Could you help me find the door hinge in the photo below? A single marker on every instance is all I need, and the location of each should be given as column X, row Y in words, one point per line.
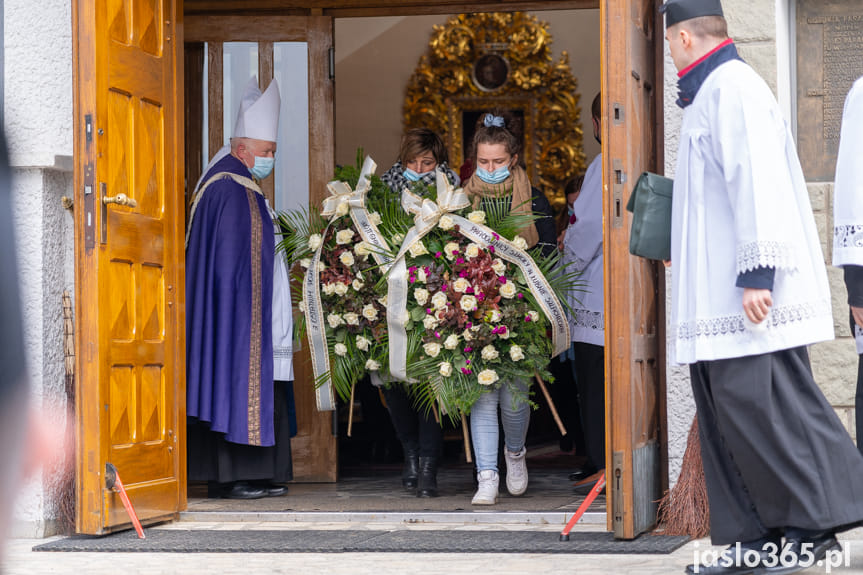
column 331, row 58
column 615, row 484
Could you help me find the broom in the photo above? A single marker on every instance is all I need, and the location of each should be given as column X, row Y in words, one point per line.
column 684, row 509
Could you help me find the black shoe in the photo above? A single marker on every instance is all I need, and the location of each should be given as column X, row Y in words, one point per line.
column 582, row 472
column 243, row 490
column 275, row 490
column 427, row 477
column 817, row 544
column 410, row 471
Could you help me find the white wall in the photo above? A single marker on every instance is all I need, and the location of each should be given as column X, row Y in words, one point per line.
column 39, row 128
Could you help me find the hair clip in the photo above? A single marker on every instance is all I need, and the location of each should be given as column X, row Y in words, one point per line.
column 492, row 120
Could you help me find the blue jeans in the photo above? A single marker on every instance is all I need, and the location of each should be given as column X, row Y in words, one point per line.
column 484, row 427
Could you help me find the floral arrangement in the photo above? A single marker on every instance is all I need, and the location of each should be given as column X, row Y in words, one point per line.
column 470, row 317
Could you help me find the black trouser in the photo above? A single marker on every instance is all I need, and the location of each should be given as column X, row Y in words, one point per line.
column 590, row 376
column 775, row 453
column 416, row 429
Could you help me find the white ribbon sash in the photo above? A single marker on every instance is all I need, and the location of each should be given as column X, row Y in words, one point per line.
column 340, row 192
column 426, row 216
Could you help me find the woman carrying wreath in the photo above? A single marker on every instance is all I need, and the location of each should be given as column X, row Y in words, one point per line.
column 420, row 153
column 496, row 147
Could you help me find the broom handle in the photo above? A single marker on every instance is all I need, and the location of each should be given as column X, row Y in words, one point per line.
column 465, row 434
column 351, row 409
column 550, row 404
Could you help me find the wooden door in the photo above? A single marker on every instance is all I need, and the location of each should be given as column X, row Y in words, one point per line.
column 632, row 108
column 129, row 291
column 314, row 448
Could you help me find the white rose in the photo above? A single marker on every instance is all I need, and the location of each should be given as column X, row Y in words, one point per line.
column 534, row 316
column 451, row 341
column 432, row 349
column 341, row 289
column 398, row 238
column 328, row 289
column 321, row 266
column 495, row 316
column 375, row 218
column 487, row 377
column 508, row 290
column 351, row 318
column 344, row 237
column 439, row 300
column 477, row 217
column 315, row 241
column 418, row 249
column 341, row 349
column 520, row 242
column 467, row 335
column 430, row 322
column 489, row 353
column 445, row 369
column 342, row 209
column 306, row 262
column 372, row 365
column 446, row 223
column 362, row 249
column 335, row 320
column 422, row 276
column 450, row 250
column 363, row 343
column 498, row 266
column 357, row 285
column 370, row 312
column 421, row 295
column 471, row 251
column 460, row 285
column 468, row 303
column 516, row 353
column 383, row 301
column 504, row 335
column 302, row 305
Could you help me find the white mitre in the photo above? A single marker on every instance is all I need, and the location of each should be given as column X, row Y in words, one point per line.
column 258, row 116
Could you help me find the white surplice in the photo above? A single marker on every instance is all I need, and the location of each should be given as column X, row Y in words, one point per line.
column 848, row 190
column 741, row 202
column 283, row 316
column 582, row 249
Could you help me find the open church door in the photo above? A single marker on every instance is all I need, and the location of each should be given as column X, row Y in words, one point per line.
column 222, row 51
column 129, row 291
column 631, row 109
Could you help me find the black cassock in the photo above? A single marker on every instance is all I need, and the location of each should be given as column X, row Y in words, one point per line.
column 775, row 453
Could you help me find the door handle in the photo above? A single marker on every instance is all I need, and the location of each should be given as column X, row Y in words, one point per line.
column 120, row 200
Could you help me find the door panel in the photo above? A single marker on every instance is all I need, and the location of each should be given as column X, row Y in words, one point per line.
column 631, row 29
column 129, row 285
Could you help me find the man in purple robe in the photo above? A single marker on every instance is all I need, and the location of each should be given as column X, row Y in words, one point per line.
column 238, row 432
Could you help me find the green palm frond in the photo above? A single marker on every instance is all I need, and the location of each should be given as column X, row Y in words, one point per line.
column 295, row 227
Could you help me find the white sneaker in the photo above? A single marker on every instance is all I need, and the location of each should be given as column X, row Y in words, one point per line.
column 516, row 471
column 486, row 494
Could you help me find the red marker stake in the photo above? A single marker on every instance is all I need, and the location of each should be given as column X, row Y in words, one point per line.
column 597, row 489
column 112, row 479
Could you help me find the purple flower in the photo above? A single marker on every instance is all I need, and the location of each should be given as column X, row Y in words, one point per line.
column 480, row 296
column 468, row 349
column 413, row 269
column 438, row 254
column 412, row 279
column 495, row 236
column 466, row 371
column 469, row 289
column 467, row 361
column 462, row 274
column 437, row 334
column 469, row 325
column 527, row 318
column 428, row 310
column 444, row 287
column 501, row 279
column 520, row 295
column 459, row 260
column 426, row 269
column 491, row 249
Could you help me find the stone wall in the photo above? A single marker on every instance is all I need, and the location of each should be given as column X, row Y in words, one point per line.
column 39, row 128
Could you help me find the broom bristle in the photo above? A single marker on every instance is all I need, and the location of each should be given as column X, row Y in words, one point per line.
column 684, row 509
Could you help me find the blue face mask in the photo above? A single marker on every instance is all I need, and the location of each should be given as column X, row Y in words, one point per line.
column 263, row 167
column 569, row 210
column 413, row 176
column 495, row 177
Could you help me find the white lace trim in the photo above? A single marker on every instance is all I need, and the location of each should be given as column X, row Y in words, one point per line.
column 588, row 319
column 735, row 324
column 765, row 255
column 848, row 236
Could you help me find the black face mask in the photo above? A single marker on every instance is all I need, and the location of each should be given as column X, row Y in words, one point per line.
column 598, row 141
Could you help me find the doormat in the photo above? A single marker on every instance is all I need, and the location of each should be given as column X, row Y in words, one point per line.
column 252, row 541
